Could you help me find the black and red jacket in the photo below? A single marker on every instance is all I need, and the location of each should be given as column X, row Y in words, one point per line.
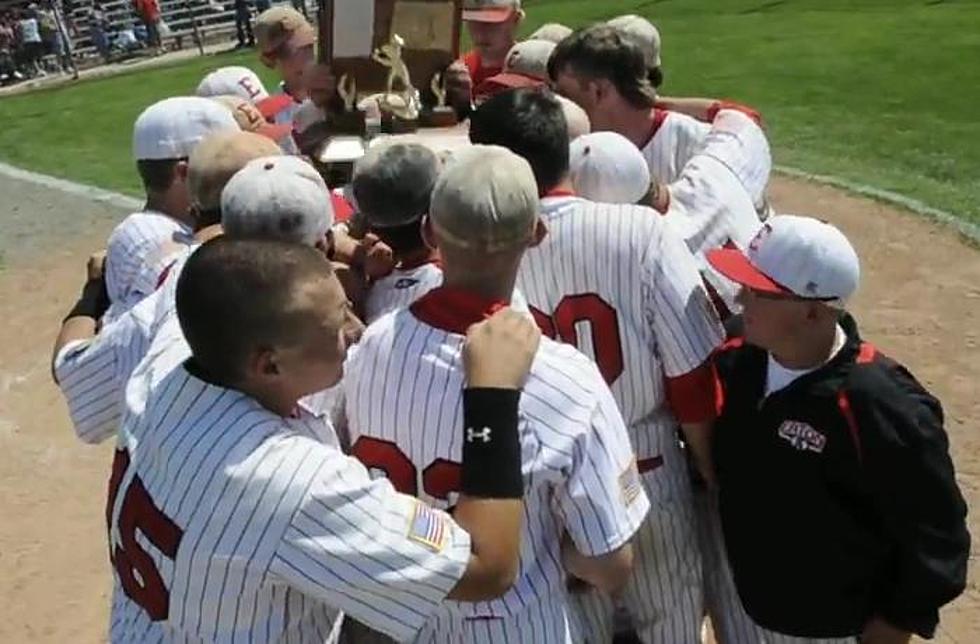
column 837, row 494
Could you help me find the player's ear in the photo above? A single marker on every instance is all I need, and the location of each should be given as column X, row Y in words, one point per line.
column 263, row 364
column 599, row 90
column 428, row 234
column 540, row 233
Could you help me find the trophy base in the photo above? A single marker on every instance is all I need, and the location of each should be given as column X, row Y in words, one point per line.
column 440, row 117
column 391, row 124
column 349, row 123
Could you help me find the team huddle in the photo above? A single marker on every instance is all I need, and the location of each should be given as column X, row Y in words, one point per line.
column 565, row 376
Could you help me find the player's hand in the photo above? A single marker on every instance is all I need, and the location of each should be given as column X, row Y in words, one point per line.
column 459, row 87
column 95, row 268
column 499, row 351
column 878, row 631
column 379, row 259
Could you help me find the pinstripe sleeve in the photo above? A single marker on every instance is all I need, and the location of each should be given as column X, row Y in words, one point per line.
column 602, row 502
column 740, row 144
column 691, row 135
column 684, row 321
column 384, row 558
column 93, row 374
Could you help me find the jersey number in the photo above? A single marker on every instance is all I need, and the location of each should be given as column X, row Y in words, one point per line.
column 138, row 575
column 602, row 319
column 439, row 479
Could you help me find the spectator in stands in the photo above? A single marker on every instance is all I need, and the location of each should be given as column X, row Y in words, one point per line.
column 98, row 30
column 52, row 35
column 30, row 41
column 149, row 12
column 8, row 49
column 243, row 24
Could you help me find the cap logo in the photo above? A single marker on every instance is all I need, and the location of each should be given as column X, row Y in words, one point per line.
column 811, row 287
column 246, row 83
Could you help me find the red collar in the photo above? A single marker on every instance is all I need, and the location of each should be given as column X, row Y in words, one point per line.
column 657, row 120
column 554, row 193
column 453, row 309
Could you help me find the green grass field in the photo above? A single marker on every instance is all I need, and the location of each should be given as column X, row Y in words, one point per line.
column 881, row 92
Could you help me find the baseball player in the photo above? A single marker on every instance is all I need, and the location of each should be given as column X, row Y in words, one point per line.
column 392, row 186
column 619, row 283
column 249, row 525
column 708, row 204
column 526, row 65
column 607, row 69
column 164, row 136
column 828, row 448
column 493, row 26
column 583, row 498
column 91, row 368
column 285, row 41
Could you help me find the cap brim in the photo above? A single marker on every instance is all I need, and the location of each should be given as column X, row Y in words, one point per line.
column 505, row 82
column 502, row 14
column 733, row 264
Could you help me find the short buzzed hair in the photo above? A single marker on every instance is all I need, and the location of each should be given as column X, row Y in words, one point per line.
column 236, row 296
column 604, row 52
column 530, row 123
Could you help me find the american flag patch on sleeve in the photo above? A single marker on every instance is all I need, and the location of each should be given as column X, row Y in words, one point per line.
column 629, row 483
column 428, row 527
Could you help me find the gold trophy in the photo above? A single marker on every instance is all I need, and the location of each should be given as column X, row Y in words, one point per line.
column 400, row 102
column 440, row 114
column 349, row 120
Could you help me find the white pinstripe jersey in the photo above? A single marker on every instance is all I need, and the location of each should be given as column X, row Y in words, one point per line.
column 617, row 282
column 710, row 205
column 92, row 374
column 675, row 141
column 403, row 390
column 399, row 289
column 229, row 523
column 139, row 249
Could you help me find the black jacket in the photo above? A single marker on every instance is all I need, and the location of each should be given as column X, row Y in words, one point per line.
column 837, row 495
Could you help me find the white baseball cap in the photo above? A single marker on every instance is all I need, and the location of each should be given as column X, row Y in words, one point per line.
column 237, row 81
column 486, row 198
column 607, row 167
column 643, row 33
column 795, row 256
column 279, row 197
column 171, row 128
column 490, row 10
column 552, row 31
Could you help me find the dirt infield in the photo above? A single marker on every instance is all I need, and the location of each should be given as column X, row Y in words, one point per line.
column 920, row 302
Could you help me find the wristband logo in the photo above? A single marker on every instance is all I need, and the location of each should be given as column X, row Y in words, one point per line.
column 483, row 435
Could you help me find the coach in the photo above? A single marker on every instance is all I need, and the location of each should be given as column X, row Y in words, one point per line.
column 840, row 510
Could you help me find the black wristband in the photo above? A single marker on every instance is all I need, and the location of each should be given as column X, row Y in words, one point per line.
column 93, row 302
column 491, row 444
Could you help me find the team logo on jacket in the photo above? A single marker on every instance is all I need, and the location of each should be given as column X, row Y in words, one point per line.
column 802, row 436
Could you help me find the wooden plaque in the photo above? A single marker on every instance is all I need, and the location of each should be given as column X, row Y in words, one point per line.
column 351, row 30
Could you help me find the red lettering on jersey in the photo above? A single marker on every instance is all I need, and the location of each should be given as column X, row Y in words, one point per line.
column 441, row 478
column 138, row 574
column 604, row 322
column 383, row 455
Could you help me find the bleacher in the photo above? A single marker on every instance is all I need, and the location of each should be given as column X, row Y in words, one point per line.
column 215, row 22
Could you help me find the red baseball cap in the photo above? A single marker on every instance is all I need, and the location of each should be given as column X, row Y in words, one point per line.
column 493, row 11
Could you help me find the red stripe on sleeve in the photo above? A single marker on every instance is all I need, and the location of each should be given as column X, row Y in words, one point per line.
column 718, row 106
column 693, row 397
